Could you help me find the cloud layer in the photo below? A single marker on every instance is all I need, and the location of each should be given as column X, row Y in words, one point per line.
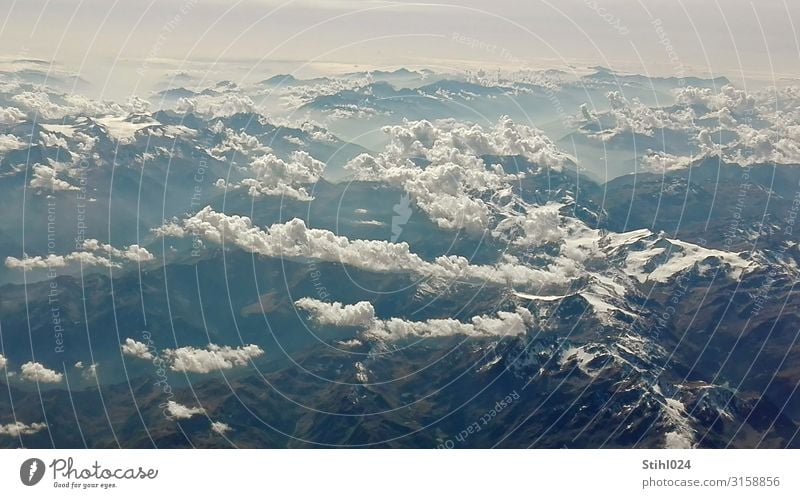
column 94, row 254
column 294, row 240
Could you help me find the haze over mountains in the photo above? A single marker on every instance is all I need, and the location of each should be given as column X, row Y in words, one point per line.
column 391, row 258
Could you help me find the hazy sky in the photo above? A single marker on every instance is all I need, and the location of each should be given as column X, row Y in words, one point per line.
column 105, row 40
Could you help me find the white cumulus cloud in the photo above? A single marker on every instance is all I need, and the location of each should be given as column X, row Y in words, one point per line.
column 294, row 240
column 19, row 429
column 452, row 188
column 220, row 427
column 361, row 314
column 504, row 323
column 88, row 257
column 275, row 177
column 136, row 349
column 36, row 372
column 45, row 177
column 11, row 116
column 181, row 412
column 11, row 142
column 210, row 358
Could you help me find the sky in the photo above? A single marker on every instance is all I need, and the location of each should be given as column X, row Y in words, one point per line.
column 131, row 43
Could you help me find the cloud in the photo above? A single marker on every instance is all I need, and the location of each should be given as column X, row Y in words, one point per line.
column 435, row 140
column 727, row 108
column 136, row 349
column 237, row 142
column 138, row 105
column 729, row 98
column 294, row 240
column 36, row 372
column 449, row 193
column 362, row 372
column 46, row 178
column 181, row 412
column 88, row 373
column 3, row 362
column 295, row 96
column 212, row 358
column 361, row 314
column 539, row 225
column 215, row 106
column 275, row 177
column 57, row 261
column 660, row 162
column 40, row 104
column 19, row 429
column 78, row 105
column 450, row 189
column 765, row 146
column 374, row 223
column 186, row 105
column 11, row 116
column 133, row 253
column 220, row 427
column 54, row 140
column 317, row 132
column 355, row 111
column 504, row 323
column 766, row 123
column 759, row 127
column 10, row 142
column 634, row 117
